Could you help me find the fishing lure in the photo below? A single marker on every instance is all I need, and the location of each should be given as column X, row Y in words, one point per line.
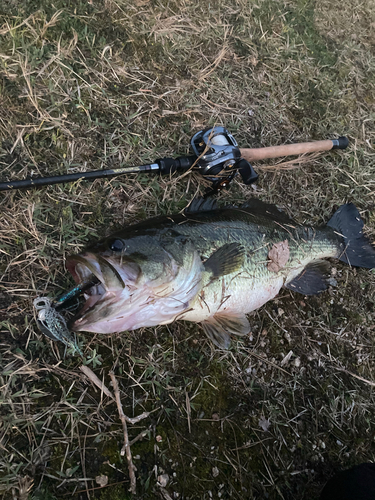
column 51, row 322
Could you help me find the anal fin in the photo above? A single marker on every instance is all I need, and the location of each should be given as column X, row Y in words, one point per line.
column 219, row 327
column 227, row 259
column 315, row 278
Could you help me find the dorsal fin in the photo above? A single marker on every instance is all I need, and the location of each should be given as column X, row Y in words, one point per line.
column 258, row 207
column 200, row 204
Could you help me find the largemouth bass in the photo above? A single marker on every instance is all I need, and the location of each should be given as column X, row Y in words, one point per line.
column 211, row 266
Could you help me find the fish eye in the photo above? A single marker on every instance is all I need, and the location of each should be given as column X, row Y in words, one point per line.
column 116, row 245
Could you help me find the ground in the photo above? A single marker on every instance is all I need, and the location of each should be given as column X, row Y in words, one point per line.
column 97, row 84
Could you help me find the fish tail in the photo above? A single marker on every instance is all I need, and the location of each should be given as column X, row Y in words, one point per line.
column 355, row 248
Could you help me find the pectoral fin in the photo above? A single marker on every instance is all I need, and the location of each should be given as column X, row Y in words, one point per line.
column 219, row 327
column 315, row 278
column 227, row 259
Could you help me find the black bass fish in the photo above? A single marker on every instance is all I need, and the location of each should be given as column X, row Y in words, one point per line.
column 210, row 266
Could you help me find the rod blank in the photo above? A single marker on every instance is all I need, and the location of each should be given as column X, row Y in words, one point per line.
column 61, row 179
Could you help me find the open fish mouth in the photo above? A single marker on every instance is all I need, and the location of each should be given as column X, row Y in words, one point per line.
column 104, row 282
column 87, row 270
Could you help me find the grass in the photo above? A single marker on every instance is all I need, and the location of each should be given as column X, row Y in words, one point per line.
column 86, row 85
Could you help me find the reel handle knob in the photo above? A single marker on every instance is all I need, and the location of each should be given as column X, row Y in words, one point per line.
column 248, row 174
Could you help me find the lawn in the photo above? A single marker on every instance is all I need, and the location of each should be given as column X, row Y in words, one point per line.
column 97, row 84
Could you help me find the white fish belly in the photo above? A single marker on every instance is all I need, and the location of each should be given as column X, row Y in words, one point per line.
column 231, row 296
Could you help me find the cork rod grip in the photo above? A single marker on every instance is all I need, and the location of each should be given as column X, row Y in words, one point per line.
column 256, row 154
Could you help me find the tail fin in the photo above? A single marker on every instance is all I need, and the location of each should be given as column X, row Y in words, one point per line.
column 356, row 248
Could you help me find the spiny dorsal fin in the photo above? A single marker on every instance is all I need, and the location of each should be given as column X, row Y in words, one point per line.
column 219, row 327
column 200, row 204
column 258, row 207
column 315, row 278
column 227, row 259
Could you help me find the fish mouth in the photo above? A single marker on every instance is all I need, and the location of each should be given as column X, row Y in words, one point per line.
column 109, row 280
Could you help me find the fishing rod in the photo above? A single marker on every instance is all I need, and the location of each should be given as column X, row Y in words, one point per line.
column 216, row 156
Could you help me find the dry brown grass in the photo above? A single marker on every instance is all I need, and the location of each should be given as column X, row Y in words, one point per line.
column 102, row 84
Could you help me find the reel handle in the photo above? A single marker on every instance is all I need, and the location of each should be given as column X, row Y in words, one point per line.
column 293, row 149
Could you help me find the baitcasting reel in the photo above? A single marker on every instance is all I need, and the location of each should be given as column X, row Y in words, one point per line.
column 219, row 158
